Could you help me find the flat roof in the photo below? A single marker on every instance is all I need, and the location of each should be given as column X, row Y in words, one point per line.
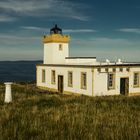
column 91, row 66
column 80, row 57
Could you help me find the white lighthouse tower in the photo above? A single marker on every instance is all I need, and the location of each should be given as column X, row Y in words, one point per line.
column 56, row 47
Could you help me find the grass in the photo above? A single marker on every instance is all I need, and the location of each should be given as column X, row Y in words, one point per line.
column 38, row 115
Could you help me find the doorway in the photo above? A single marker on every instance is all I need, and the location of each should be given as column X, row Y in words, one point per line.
column 124, row 86
column 60, row 83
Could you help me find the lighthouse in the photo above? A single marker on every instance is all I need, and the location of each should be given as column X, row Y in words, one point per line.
column 83, row 75
column 56, row 46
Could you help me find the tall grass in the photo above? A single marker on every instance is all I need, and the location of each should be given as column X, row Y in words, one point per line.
column 38, row 115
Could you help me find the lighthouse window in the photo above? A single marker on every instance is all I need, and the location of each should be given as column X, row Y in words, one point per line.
column 60, row 47
column 136, row 79
column 43, row 76
column 111, row 81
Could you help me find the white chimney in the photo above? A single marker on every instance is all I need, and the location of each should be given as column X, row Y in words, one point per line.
column 8, row 94
column 119, row 61
column 107, row 61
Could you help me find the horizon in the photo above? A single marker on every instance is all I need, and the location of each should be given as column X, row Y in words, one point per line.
column 105, row 30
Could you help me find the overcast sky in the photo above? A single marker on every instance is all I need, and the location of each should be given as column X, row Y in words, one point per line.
column 107, row 29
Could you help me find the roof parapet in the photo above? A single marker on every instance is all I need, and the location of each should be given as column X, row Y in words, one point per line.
column 56, row 38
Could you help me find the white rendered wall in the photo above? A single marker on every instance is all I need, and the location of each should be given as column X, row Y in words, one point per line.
column 81, row 60
column 132, row 88
column 98, row 87
column 101, row 81
column 64, row 71
column 39, row 76
column 52, row 54
column 130, row 75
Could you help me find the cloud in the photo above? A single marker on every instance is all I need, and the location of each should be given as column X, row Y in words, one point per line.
column 104, row 43
column 43, row 8
column 130, row 30
column 5, row 18
column 20, row 54
column 20, row 47
column 82, row 18
column 79, row 30
column 25, row 47
column 24, row 7
column 34, row 28
column 106, row 48
column 8, row 40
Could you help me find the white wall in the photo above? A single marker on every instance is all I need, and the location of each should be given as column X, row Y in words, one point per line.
column 101, row 81
column 39, row 76
column 132, row 88
column 99, row 84
column 52, row 54
column 81, row 60
column 64, row 71
column 129, row 75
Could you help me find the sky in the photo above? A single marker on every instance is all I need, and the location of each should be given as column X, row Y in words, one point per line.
column 106, row 29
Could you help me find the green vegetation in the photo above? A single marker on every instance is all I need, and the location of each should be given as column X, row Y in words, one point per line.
column 38, row 115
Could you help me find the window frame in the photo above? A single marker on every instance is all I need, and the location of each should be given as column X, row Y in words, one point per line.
column 60, row 47
column 53, row 77
column 83, row 81
column 114, row 69
column 138, row 79
column 121, row 69
column 70, row 80
column 43, row 76
column 106, row 69
column 112, row 86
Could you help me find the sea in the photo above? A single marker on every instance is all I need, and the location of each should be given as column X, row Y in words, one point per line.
column 18, row 71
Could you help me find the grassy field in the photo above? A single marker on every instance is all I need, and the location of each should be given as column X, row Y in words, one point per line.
column 37, row 115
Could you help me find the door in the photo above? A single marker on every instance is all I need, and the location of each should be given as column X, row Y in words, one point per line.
column 124, row 86
column 60, row 83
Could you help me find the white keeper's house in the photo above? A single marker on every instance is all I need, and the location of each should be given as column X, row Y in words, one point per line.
column 83, row 75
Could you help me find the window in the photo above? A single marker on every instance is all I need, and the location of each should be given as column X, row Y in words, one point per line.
column 128, row 69
column 121, row 69
column 53, row 76
column 136, row 79
column 70, row 79
column 106, row 69
column 99, row 69
column 43, row 76
column 111, row 81
column 83, row 80
column 114, row 69
column 60, row 47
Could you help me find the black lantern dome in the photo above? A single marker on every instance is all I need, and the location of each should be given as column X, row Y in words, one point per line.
column 56, row 30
